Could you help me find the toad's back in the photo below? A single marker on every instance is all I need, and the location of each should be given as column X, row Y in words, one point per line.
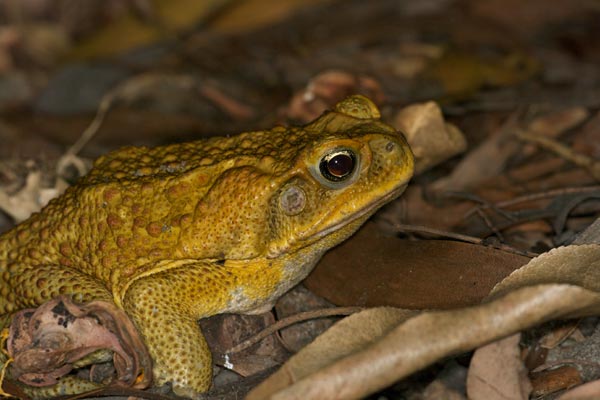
column 128, row 211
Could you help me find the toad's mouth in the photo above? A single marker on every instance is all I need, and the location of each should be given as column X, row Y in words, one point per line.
column 362, row 213
column 366, row 211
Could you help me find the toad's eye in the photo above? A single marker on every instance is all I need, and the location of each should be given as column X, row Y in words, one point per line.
column 338, row 165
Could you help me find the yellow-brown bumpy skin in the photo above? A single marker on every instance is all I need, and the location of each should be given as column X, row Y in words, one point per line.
column 181, row 232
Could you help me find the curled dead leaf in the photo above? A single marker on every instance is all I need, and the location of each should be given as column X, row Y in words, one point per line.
column 575, row 265
column 414, row 344
column 532, row 295
column 333, row 345
column 60, row 336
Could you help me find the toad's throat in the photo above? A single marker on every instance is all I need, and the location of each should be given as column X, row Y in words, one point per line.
column 362, row 213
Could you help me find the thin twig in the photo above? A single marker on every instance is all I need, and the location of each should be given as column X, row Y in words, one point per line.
column 92, row 129
column 564, row 152
column 547, row 194
column 532, row 197
column 557, row 363
column 483, row 204
column 293, row 319
column 69, row 158
column 560, row 219
column 490, row 225
column 461, row 237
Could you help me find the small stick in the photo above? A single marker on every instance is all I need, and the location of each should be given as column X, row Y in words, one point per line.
column 460, row 237
column 563, row 151
column 293, row 319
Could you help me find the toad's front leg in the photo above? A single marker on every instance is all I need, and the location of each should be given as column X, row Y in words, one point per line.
column 165, row 307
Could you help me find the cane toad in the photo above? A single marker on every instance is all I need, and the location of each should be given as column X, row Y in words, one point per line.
column 180, row 232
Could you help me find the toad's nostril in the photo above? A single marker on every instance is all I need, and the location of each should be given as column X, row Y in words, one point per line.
column 389, row 147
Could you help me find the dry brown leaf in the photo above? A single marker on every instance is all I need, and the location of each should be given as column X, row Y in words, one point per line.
column 558, row 335
column 415, row 207
column 575, row 265
column 590, row 235
column 525, row 173
column 497, row 372
column 437, row 390
column 554, row 380
column 527, row 17
column 480, row 164
column 44, row 44
column 327, row 88
column 298, row 300
column 45, row 348
column 128, row 31
column 9, row 37
column 431, row 139
column 489, row 159
column 587, row 391
column 372, row 269
column 428, row 337
column 416, row 343
column 332, row 346
column 587, row 140
column 554, row 124
column 264, row 12
column 564, row 152
column 226, row 330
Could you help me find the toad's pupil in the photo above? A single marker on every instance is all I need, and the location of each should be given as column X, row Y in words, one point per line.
column 340, row 165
